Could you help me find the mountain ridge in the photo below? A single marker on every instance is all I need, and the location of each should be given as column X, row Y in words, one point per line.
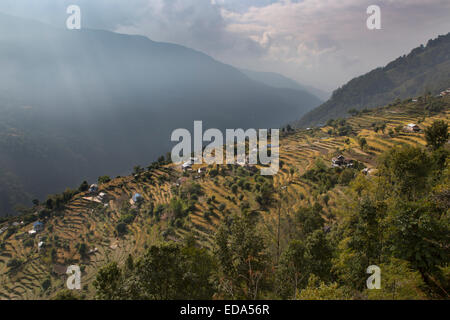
column 425, row 68
column 96, row 101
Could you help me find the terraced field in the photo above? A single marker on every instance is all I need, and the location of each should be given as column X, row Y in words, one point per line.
column 33, row 276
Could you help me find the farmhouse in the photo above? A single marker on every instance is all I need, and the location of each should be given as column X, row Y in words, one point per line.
column 136, row 198
column 412, row 127
column 93, row 188
column 188, row 164
column 38, row 226
column 340, row 161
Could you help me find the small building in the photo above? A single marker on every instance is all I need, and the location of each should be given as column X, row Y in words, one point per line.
column 201, row 170
column 187, row 164
column 38, row 226
column 101, row 196
column 93, row 188
column 136, row 198
column 41, row 244
column 338, row 161
column 3, row 229
column 412, row 127
column 32, row 232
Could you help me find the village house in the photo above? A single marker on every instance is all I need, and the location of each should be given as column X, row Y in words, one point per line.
column 135, row 198
column 93, row 188
column 411, row 127
column 340, row 161
column 201, row 170
column 38, row 226
column 101, row 196
column 187, row 165
column 445, row 92
column 3, row 229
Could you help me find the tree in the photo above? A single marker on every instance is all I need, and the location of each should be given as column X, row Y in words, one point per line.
column 399, row 282
column 108, row 283
column 318, row 255
column 437, row 134
column 292, row 273
column 319, row 290
column 406, row 170
column 121, row 228
column 362, row 143
column 103, row 179
column 84, row 187
column 309, row 219
column 66, row 295
column 82, row 249
column 242, row 258
column 138, row 169
column 418, row 232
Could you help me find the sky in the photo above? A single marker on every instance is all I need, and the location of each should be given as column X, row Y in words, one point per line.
column 321, row 43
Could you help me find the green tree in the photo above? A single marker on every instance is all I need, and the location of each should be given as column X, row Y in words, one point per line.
column 292, row 272
column 108, row 283
column 103, row 179
column 437, row 134
column 242, row 258
column 84, row 187
column 406, row 171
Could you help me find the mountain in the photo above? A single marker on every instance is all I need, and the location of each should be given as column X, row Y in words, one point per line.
column 424, row 69
column 279, row 81
column 76, row 104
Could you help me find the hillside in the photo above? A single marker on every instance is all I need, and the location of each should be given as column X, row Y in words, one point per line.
column 424, row 69
column 179, row 206
column 96, row 102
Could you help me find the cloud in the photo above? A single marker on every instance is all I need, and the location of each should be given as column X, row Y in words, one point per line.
column 319, row 42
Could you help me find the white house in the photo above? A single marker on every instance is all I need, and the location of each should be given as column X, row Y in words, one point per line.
column 412, row 127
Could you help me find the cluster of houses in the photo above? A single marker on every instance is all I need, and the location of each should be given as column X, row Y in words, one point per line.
column 445, row 92
column 341, row 162
column 95, row 196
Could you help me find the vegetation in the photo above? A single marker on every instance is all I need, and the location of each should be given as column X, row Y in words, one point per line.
column 309, row 232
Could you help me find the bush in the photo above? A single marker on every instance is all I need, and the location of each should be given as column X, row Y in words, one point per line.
column 121, row 228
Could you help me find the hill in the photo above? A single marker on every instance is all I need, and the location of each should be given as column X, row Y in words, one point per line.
column 424, row 69
column 96, row 101
column 307, row 193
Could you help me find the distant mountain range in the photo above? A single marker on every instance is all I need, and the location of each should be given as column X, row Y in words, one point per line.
column 76, row 104
column 279, row 81
column 424, row 69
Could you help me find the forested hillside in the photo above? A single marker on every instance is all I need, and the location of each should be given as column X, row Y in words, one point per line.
column 309, row 232
column 425, row 69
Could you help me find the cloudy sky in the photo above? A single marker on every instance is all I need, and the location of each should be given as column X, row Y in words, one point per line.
column 323, row 43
